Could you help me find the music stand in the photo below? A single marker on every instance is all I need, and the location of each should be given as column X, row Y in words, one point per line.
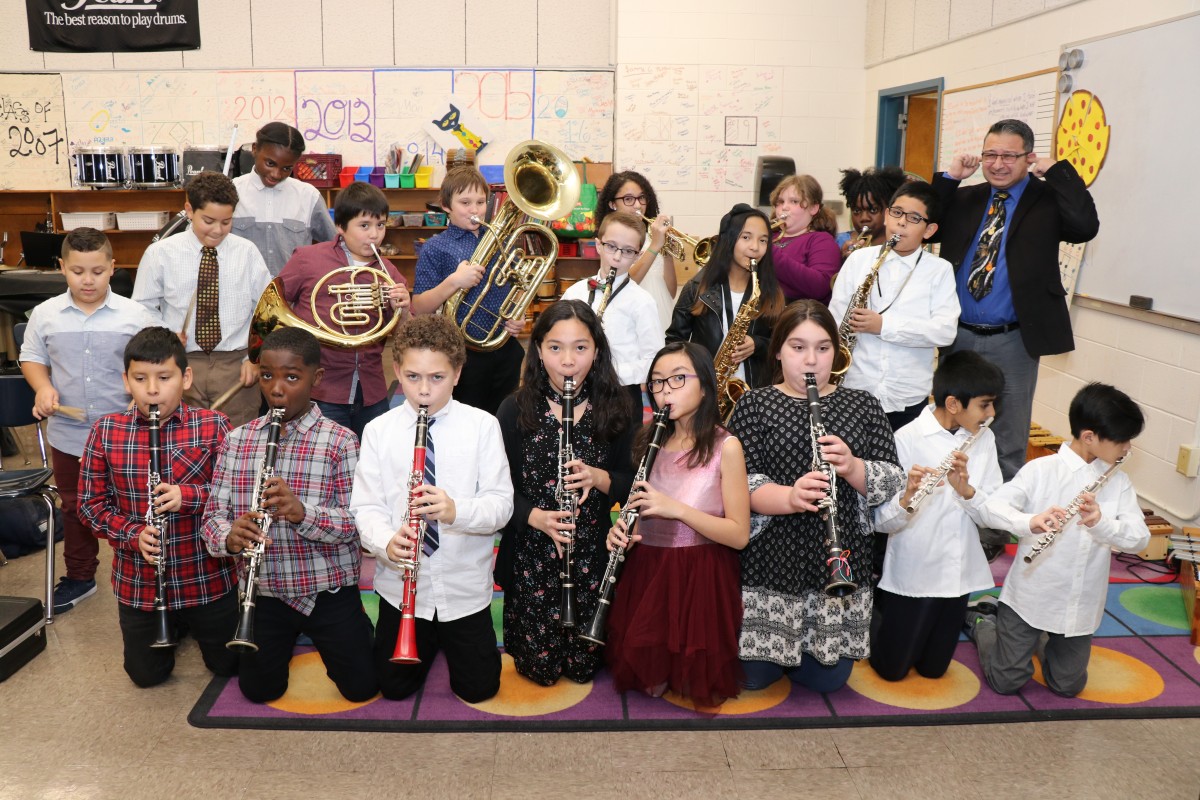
column 41, row 249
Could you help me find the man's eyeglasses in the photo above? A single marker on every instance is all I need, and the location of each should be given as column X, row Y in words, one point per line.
column 631, row 199
column 912, row 216
column 1003, row 158
column 619, row 252
column 655, row 385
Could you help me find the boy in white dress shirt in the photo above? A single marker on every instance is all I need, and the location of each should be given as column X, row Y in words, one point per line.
column 469, row 498
column 912, row 309
column 1053, row 605
column 934, row 559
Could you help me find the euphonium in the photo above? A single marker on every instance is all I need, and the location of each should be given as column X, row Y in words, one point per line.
column 616, row 559
column 243, row 637
column 730, row 388
column 1047, row 538
column 848, row 338
column 406, row 638
column 164, row 634
column 568, row 501
column 542, row 183
column 678, row 244
column 841, row 577
column 930, row 482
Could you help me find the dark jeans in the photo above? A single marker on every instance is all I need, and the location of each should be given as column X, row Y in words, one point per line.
column 919, row 632
column 81, row 549
column 811, row 674
column 211, row 625
column 489, row 377
column 469, row 644
column 354, row 416
column 339, row 629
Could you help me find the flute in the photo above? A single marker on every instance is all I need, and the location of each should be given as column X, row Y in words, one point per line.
column 1072, row 510
column 931, row 481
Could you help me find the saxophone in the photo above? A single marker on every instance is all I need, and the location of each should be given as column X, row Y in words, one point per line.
column 729, row 388
column 845, row 333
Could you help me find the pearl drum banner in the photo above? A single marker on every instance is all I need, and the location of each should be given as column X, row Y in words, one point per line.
column 120, row 26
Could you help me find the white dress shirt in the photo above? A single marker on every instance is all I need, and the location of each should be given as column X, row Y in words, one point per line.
column 631, row 324
column 935, row 551
column 281, row 218
column 919, row 312
column 166, row 284
column 456, row 580
column 1064, row 589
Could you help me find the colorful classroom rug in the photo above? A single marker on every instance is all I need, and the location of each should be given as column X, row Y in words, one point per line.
column 1142, row 666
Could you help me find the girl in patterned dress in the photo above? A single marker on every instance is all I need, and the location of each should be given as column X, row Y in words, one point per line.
column 567, row 340
column 790, row 625
column 678, row 606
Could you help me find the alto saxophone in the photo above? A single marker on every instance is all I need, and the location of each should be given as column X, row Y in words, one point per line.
column 406, row 637
column 616, row 559
column 841, row 578
column 930, row 482
column 1047, row 538
column 846, row 333
column 730, row 388
column 609, row 280
column 164, row 635
column 568, row 501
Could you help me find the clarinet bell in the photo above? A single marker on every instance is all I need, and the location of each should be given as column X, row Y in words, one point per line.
column 164, row 631
column 841, row 580
column 566, row 618
column 243, row 637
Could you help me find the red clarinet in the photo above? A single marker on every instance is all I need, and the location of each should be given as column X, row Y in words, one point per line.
column 406, row 639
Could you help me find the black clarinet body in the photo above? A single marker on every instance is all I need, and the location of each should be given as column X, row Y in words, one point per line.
column 841, row 578
column 164, row 631
column 568, row 501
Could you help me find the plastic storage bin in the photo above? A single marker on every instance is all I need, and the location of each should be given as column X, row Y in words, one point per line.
column 142, row 220
column 377, row 176
column 391, row 180
column 435, row 218
column 424, row 175
column 346, row 177
column 100, row 220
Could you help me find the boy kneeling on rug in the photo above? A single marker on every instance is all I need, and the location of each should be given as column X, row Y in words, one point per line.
column 308, row 577
column 1053, row 603
column 464, row 497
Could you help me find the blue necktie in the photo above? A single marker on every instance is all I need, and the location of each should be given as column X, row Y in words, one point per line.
column 430, row 545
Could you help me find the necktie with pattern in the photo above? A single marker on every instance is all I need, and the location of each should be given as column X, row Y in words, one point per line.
column 208, row 294
column 430, row 543
column 983, row 265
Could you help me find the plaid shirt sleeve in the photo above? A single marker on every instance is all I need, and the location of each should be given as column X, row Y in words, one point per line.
column 332, row 521
column 105, row 468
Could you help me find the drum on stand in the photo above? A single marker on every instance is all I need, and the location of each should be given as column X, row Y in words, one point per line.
column 101, row 167
column 153, row 167
column 202, row 158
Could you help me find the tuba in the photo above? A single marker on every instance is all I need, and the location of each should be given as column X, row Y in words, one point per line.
column 542, row 186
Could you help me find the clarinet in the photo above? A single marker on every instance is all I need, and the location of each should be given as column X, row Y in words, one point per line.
column 841, row 579
column 568, row 501
column 931, row 481
column 243, row 637
column 164, row 633
column 616, row 559
column 1047, row 538
column 406, row 638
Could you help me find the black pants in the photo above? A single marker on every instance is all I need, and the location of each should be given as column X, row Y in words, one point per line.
column 898, row 419
column 469, row 644
column 489, row 377
column 211, row 625
column 915, row 632
column 340, row 630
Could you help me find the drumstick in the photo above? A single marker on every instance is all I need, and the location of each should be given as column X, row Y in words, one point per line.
column 187, row 318
column 225, row 398
column 74, row 412
column 229, row 152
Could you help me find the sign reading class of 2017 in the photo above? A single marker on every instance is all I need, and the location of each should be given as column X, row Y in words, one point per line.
column 113, row 26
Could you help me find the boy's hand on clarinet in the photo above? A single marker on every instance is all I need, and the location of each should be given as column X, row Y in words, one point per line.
column 1089, row 510
column 245, row 532
column 45, row 402
column 963, row 166
column 277, row 498
column 149, row 545
column 467, row 275
column 402, row 546
column 554, row 524
column 618, row 536
column 168, row 497
column 808, row 490
column 958, row 477
column 435, row 504
column 1049, row 520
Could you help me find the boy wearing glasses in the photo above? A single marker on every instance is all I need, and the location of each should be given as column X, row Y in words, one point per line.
column 911, row 310
column 630, row 316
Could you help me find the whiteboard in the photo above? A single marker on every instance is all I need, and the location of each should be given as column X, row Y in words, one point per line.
column 359, row 113
column 1146, row 80
column 968, row 112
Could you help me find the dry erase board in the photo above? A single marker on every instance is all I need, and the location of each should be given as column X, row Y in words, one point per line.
column 968, row 112
column 1146, row 81
column 358, row 113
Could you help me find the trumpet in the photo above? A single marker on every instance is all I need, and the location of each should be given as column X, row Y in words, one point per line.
column 406, row 638
column 164, row 636
column 568, row 501
column 243, row 637
column 930, row 482
column 779, row 223
column 862, row 239
column 1047, row 538
column 841, row 578
column 616, row 559
column 678, row 244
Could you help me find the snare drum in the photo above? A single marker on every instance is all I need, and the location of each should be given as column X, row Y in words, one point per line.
column 202, row 158
column 100, row 166
column 153, row 166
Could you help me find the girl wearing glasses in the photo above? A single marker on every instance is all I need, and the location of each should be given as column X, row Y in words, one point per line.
column 653, row 269
column 630, row 316
column 709, row 303
column 867, row 194
column 674, row 623
column 805, row 253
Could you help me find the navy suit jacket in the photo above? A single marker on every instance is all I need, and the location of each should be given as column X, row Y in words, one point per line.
column 1057, row 209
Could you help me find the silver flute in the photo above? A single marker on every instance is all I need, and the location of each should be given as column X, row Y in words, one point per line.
column 931, row 481
column 1047, row 538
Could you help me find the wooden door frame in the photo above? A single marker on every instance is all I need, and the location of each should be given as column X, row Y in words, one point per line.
column 889, row 140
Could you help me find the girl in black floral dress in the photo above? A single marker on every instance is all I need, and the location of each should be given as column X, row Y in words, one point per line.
column 567, row 341
column 790, row 625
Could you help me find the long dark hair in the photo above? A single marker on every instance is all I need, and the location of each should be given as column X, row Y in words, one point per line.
column 613, row 185
column 797, row 312
column 609, row 400
column 716, row 272
column 707, row 419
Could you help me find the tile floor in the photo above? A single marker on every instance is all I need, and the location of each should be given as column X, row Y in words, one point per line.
column 73, row 726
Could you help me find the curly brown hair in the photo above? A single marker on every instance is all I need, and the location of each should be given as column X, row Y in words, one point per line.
column 430, row 332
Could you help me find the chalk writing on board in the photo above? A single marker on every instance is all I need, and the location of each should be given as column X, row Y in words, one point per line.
column 740, row 131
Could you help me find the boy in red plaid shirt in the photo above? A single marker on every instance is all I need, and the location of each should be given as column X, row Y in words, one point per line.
column 113, row 497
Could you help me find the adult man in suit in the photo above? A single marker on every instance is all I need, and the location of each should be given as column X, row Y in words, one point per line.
column 1002, row 238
